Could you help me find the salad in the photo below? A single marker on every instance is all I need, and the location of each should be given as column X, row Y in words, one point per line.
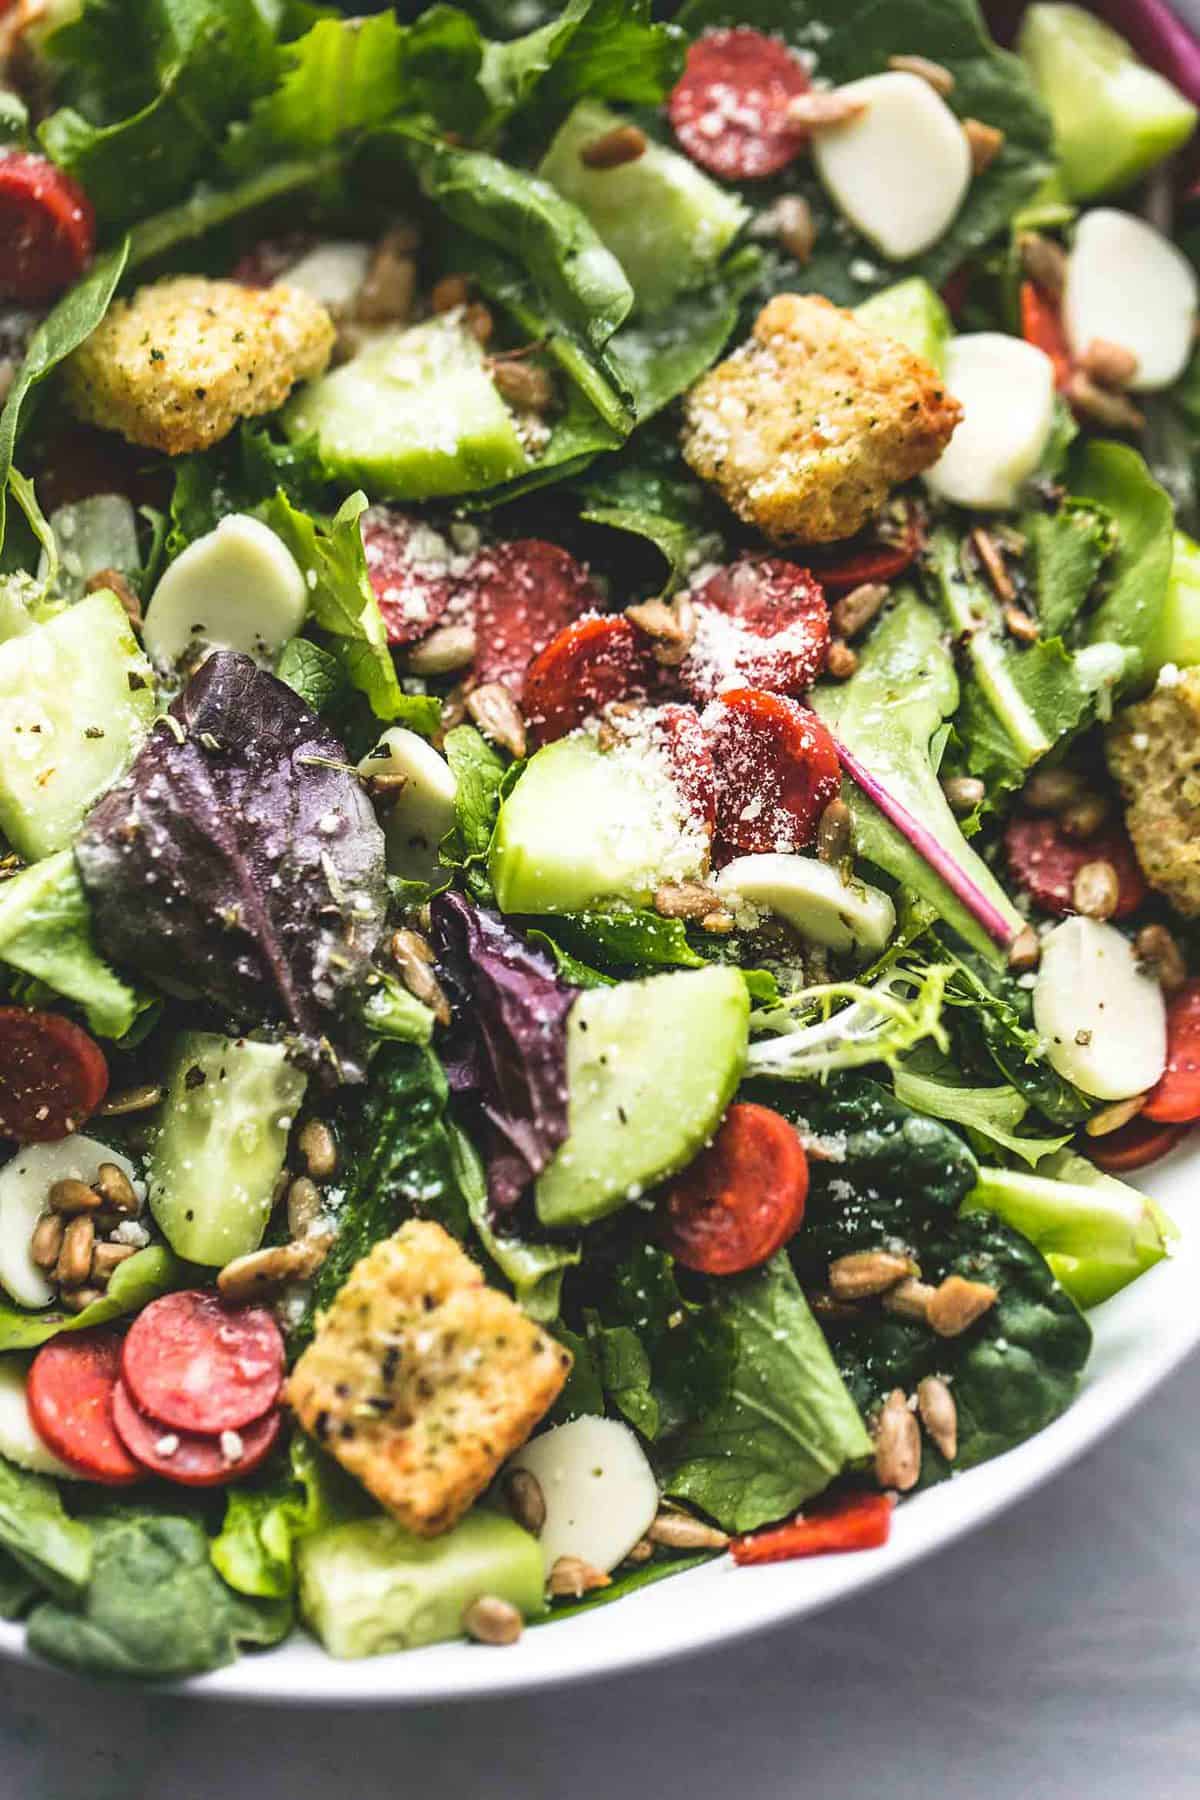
column 600, row 829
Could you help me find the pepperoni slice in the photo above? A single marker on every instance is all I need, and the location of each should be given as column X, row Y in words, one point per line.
column 777, row 770
column 760, row 623
column 192, row 1458
column 591, row 663
column 685, row 743
column 870, row 561
column 1176, row 1098
column 1046, row 863
column 742, row 1198
column 409, row 568
column 1134, row 1146
column 70, row 1398
column 728, row 108
column 199, row 1365
column 526, row 592
column 47, row 228
column 53, row 1076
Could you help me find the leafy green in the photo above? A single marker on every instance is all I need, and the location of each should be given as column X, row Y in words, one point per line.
column 626, row 1581
column 1018, row 700
column 535, row 1270
column 482, row 778
column 856, row 37
column 882, row 1021
column 207, row 208
column 254, row 1551
column 134, row 1283
column 1096, row 1233
column 1066, row 550
column 398, row 1163
column 390, row 1011
column 990, row 1113
column 889, row 713
column 343, row 76
column 608, row 49
column 313, row 673
column 647, row 491
column 34, row 1529
column 154, row 1606
column 62, row 330
column 18, row 1588
column 620, row 942
column 155, row 81
column 1116, row 478
column 992, row 1024
column 46, row 931
column 342, row 602
column 787, row 1427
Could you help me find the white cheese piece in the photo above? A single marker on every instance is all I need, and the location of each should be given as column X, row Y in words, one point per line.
column 236, row 588
column 332, row 273
column 423, row 811
column 1127, row 284
column 1100, row 1016
column 900, row 170
column 19, row 1442
column 25, row 1185
column 600, row 1492
column 1006, row 389
column 812, row 898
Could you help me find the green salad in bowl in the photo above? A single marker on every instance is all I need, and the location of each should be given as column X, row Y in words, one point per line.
column 599, row 817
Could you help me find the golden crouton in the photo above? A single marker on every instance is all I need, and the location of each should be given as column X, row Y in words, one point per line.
column 179, row 364
column 421, row 1380
column 806, row 426
column 1154, row 753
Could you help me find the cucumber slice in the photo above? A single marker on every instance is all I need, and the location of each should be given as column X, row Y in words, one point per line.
column 423, row 810
column 585, row 825
column 238, row 587
column 651, row 1067
column 1113, row 117
column 412, row 416
column 19, row 1442
column 219, row 1153
column 371, row 1586
column 25, row 1185
column 912, row 313
column 1176, row 636
column 665, row 222
column 76, row 700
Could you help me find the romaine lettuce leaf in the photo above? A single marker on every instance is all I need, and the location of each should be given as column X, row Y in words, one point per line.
column 992, row 1114
column 46, row 932
column 254, row 1550
column 1136, row 576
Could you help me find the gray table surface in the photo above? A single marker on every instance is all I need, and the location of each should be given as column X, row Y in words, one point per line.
column 1054, row 1655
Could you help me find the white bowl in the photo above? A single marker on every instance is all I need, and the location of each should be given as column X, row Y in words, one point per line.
column 1140, row 1336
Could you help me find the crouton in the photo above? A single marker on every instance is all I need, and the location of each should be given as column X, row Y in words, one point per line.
column 421, row 1380
column 1153, row 750
column 806, row 426
column 177, row 365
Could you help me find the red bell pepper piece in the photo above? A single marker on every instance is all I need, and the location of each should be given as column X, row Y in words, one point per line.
column 853, row 1522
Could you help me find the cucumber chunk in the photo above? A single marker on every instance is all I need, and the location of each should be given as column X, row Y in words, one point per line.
column 665, row 222
column 651, row 1067
column 76, row 700
column 219, row 1152
column 912, row 313
column 1113, row 117
column 585, row 825
column 1176, row 636
column 371, row 1586
column 413, row 416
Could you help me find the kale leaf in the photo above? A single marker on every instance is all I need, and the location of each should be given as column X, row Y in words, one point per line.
column 240, row 856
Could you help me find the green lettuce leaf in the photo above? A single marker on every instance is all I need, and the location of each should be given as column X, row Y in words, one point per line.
column 37, row 1533
column 254, row 1551
column 989, row 1113
column 888, row 714
column 788, row 1426
column 1066, row 550
column 1117, row 479
column 990, row 1016
column 534, row 1270
column 46, row 932
column 134, row 1283
column 311, row 672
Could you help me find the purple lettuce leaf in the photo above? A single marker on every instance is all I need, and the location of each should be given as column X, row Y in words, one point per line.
column 240, row 860
column 508, row 1042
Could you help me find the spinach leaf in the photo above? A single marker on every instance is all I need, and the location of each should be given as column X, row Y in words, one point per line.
column 154, row 1606
column 992, row 1023
column 618, row 943
column 313, row 673
column 535, row 1270
column 666, row 1359
column 1116, row 478
column 36, row 1532
column 62, row 330
column 206, row 208
column 254, row 1551
column 398, row 1164
column 611, row 50
column 889, row 714
column 856, row 37
column 18, row 1588
column 46, row 931
column 1066, row 549
column 134, row 1283
column 647, row 491
column 342, row 602
column 233, row 879
column 1017, row 701
column 788, row 1426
